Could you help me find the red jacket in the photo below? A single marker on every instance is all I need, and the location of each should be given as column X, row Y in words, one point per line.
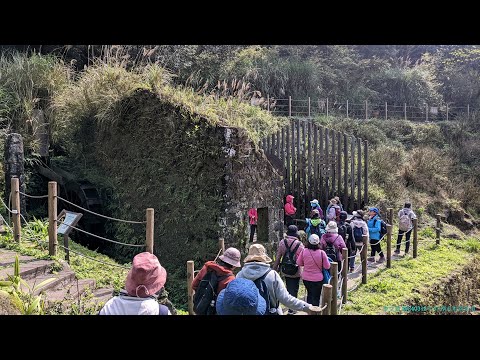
column 220, row 270
column 252, row 214
column 289, row 208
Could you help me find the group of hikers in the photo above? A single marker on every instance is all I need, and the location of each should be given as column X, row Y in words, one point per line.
column 258, row 287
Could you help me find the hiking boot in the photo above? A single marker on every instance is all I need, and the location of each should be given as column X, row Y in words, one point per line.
column 371, row 259
column 351, row 269
column 397, row 251
column 381, row 260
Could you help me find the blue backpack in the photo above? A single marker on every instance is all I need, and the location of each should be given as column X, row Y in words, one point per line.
column 358, row 234
column 319, row 229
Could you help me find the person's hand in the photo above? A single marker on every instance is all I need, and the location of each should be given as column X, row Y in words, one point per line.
column 313, row 310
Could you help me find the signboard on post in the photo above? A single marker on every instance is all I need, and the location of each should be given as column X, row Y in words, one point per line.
column 68, row 219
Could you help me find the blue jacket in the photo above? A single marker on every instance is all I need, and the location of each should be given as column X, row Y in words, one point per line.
column 374, row 230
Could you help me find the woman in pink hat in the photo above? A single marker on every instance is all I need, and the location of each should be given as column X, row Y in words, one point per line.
column 143, row 284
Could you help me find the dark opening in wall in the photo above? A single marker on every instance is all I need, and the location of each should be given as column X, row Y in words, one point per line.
column 262, row 225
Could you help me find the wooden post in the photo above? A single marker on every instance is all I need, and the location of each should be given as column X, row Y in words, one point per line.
column 468, row 111
column 272, row 151
column 438, row 228
column 344, row 275
column 300, row 199
column 321, row 161
column 365, row 176
column 347, row 109
column 150, row 226
column 447, row 112
column 190, row 272
column 326, row 298
column 366, row 109
column 309, row 106
column 67, row 251
column 326, row 163
column 352, row 172
column 415, row 237
column 386, row 112
column 339, row 164
column 269, row 145
column 390, row 216
column 268, row 103
column 332, row 162
column 279, row 154
column 52, row 218
column 17, row 224
column 221, row 244
column 288, row 187
column 289, row 106
column 309, row 163
column 364, row 259
column 359, row 173
column 304, row 169
column 334, row 272
column 345, row 172
column 293, row 181
column 327, row 107
column 315, row 161
column 389, row 246
column 405, row 111
column 426, row 112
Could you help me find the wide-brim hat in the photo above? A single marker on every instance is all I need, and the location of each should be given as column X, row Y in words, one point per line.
column 240, row 297
column 257, row 252
column 231, row 256
column 332, row 227
column 146, row 277
column 314, row 239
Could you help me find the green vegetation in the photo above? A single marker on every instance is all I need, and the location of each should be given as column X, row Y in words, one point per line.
column 397, row 285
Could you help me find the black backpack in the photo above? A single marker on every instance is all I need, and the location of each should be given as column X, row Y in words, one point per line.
column 331, row 251
column 263, row 290
column 383, row 227
column 358, row 234
column 345, row 233
column 289, row 265
column 206, row 294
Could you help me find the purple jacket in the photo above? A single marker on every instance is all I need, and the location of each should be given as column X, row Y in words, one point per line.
column 313, row 262
column 282, row 250
column 337, row 241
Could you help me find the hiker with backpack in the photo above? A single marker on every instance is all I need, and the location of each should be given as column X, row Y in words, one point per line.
column 213, row 278
column 405, row 226
column 256, row 268
column 143, row 285
column 332, row 243
column 240, row 297
column 314, row 204
column 359, row 228
column 345, row 230
column 333, row 212
column 315, row 225
column 314, row 261
column 375, row 230
column 288, row 251
column 253, row 217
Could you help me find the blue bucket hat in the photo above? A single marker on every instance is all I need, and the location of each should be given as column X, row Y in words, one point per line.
column 240, row 297
column 374, row 209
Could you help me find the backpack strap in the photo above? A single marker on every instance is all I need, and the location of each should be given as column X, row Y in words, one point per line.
column 296, row 248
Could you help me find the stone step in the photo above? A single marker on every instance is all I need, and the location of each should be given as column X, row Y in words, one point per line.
column 7, row 258
column 63, row 279
column 28, row 270
column 69, row 292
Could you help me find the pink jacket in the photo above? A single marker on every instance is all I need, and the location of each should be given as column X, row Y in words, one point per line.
column 252, row 214
column 313, row 262
column 282, row 250
column 289, row 208
column 337, row 240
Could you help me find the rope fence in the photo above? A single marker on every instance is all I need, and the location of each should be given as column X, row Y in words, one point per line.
column 91, row 258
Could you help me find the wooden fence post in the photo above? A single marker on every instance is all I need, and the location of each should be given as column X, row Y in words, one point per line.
column 365, row 174
column 52, row 218
column 386, row 113
column 366, row 109
column 309, row 106
column 327, row 106
column 334, row 271
column 405, row 111
column 344, row 275
column 347, row 109
column 389, row 246
column 426, row 112
column 415, row 238
column 150, row 227
column 190, row 272
column 364, row 259
column 289, row 106
column 468, row 111
column 438, row 228
column 16, row 208
column 326, row 298
column 447, row 112
column 268, row 103
column 390, row 216
column 221, row 244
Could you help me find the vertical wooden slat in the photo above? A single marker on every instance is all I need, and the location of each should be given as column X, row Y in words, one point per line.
column 190, row 276
column 264, row 145
column 304, row 167
column 345, row 172
column 321, row 190
column 332, row 157
column 359, row 173
column 272, row 151
column 299, row 168
column 150, row 215
column 277, row 136
column 310, row 165
column 339, row 164
column 293, row 180
column 326, row 163
column 268, row 145
column 288, row 180
column 352, row 173
column 315, row 161
column 365, row 176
